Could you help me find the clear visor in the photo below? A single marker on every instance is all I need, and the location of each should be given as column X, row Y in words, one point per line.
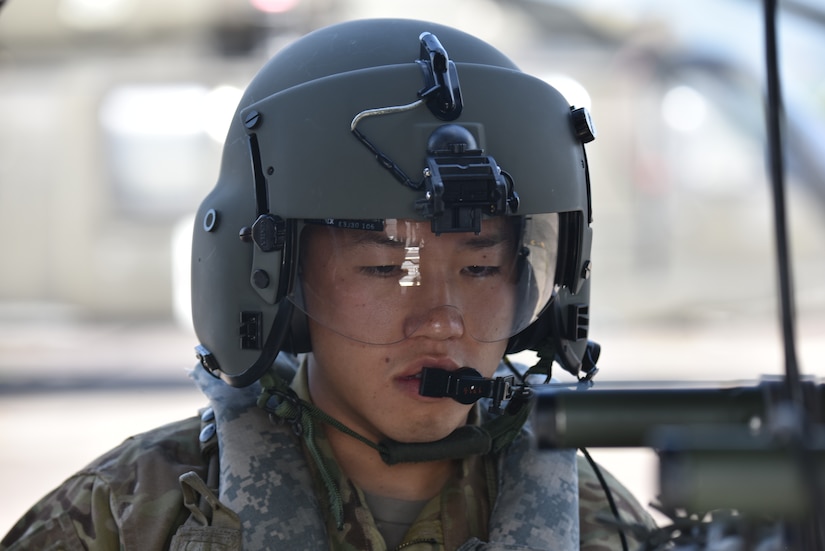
column 380, row 282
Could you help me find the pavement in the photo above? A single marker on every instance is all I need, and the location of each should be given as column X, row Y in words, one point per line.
column 70, row 390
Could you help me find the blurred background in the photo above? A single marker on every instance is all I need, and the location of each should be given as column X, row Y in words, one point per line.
column 112, row 114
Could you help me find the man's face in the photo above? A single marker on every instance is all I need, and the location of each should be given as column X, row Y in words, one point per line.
column 385, row 304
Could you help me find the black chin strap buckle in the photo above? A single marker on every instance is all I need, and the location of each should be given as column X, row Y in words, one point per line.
column 466, row 386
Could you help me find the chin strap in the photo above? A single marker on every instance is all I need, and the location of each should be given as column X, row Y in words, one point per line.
column 491, row 436
column 282, row 403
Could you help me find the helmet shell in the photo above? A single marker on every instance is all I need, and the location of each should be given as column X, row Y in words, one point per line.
column 290, row 155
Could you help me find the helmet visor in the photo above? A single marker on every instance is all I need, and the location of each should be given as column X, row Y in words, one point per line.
column 382, row 281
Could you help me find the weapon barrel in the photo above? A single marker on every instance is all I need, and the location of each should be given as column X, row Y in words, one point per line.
column 718, row 447
column 565, row 418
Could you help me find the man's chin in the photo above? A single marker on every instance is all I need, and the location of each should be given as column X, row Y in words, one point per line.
column 429, row 434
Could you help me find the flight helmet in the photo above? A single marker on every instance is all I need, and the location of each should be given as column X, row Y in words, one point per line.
column 408, row 132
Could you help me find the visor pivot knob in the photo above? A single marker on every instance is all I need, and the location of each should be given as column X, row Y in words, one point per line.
column 583, row 125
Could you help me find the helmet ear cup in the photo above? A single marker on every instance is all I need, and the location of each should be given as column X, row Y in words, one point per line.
column 570, row 323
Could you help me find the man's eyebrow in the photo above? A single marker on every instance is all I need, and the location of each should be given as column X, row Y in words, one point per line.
column 484, row 241
column 471, row 242
column 373, row 238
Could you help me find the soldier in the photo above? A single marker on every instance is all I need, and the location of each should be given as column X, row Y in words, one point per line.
column 399, row 208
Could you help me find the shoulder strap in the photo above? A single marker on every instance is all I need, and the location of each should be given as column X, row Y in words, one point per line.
column 263, row 475
column 211, row 526
column 217, row 529
column 538, row 498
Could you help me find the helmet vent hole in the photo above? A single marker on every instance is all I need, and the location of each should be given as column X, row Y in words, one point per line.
column 210, row 220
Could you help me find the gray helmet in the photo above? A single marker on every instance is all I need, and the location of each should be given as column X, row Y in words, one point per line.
column 375, row 120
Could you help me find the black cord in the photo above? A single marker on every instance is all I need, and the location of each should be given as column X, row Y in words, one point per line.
column 609, row 496
column 383, row 160
column 793, row 379
column 777, row 170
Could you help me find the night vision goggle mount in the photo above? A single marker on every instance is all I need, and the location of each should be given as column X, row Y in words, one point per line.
column 460, row 183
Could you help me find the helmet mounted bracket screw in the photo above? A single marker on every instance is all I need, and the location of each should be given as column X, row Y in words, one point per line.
column 245, row 234
column 252, row 120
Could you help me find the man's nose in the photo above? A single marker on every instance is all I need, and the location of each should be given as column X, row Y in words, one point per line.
column 441, row 323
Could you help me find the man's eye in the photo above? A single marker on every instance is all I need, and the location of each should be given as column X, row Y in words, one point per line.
column 482, row 271
column 382, row 271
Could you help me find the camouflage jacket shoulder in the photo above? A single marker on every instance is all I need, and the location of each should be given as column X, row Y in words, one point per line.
column 129, row 498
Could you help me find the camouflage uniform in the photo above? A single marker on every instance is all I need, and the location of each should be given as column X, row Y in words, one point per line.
column 158, row 491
